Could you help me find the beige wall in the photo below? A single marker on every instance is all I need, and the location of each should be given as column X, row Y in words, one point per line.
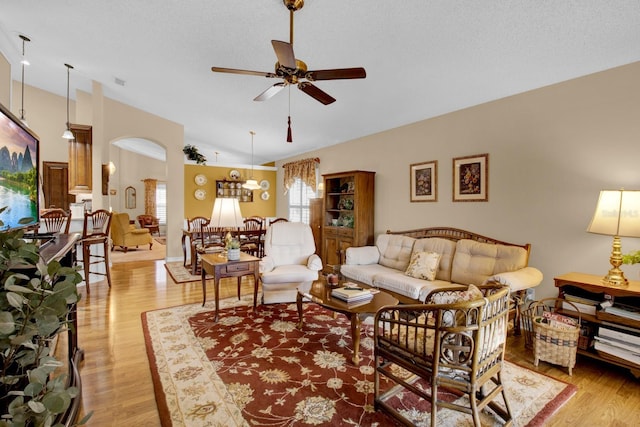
column 194, row 207
column 551, row 151
column 5, row 83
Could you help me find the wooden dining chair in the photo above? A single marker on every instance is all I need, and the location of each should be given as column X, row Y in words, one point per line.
column 56, row 220
column 95, row 231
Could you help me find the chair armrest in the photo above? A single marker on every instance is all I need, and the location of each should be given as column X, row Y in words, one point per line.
column 267, row 264
column 362, row 255
column 314, row 263
column 518, row 280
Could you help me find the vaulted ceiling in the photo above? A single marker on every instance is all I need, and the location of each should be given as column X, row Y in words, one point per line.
column 423, row 58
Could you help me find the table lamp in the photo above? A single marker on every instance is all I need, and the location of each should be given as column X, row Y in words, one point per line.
column 617, row 214
column 226, row 214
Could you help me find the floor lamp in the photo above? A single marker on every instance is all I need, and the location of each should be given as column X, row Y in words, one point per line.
column 617, row 214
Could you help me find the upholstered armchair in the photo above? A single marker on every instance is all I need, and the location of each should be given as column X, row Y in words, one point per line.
column 150, row 222
column 289, row 261
column 126, row 235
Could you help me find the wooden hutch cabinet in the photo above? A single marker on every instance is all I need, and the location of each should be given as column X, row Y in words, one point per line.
column 80, row 159
column 347, row 214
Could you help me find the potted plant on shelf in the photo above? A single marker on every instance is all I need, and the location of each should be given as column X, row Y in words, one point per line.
column 36, row 299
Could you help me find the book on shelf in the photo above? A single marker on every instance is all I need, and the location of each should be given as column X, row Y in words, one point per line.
column 351, row 293
column 622, row 312
column 620, row 334
column 631, row 356
column 620, row 344
column 581, row 300
column 584, row 308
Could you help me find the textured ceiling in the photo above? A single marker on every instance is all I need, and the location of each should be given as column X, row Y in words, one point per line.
column 423, row 58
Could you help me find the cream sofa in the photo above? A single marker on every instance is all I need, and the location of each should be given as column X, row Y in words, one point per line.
column 465, row 258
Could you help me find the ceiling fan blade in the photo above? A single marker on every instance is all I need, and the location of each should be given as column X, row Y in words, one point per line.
column 270, row 92
column 316, row 93
column 335, row 74
column 247, row 72
column 284, row 52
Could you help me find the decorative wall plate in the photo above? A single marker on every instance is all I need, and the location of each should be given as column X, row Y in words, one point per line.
column 234, row 174
column 200, row 194
column 200, row 179
column 264, row 195
column 264, row 184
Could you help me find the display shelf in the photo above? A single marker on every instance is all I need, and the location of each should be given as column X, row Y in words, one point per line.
column 233, row 189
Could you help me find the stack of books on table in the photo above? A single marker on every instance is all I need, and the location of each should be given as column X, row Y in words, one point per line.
column 619, row 341
column 352, row 294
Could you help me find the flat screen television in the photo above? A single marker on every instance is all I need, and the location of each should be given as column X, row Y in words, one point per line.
column 19, row 172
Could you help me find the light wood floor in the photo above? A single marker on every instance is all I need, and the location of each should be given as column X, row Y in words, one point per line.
column 117, row 383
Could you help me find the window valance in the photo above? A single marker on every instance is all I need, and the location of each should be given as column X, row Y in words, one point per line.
column 304, row 169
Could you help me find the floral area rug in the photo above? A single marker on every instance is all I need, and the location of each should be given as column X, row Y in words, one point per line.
column 258, row 368
column 180, row 273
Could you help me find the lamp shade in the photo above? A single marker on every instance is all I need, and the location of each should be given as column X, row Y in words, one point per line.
column 617, row 214
column 226, row 213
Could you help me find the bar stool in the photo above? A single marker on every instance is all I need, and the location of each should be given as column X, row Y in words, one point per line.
column 95, row 231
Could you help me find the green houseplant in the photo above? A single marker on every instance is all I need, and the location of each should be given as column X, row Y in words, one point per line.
column 631, row 258
column 35, row 301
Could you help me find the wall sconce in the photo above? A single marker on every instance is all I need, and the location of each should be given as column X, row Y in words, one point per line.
column 617, row 214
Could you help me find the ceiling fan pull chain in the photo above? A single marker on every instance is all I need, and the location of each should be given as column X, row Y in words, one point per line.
column 289, row 137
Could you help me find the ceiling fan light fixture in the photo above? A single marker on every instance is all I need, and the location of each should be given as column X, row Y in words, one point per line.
column 67, row 134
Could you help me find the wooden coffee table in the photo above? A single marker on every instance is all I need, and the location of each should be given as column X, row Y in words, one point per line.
column 320, row 293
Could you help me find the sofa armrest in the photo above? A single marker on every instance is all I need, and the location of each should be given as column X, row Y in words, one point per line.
column 518, row 280
column 267, row 264
column 314, row 263
column 362, row 255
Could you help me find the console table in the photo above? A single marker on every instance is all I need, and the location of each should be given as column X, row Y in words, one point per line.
column 62, row 248
column 591, row 287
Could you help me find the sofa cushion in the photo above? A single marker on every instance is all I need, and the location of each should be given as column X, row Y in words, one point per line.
column 474, row 262
column 423, row 265
column 363, row 273
column 445, row 247
column 395, row 250
column 362, row 255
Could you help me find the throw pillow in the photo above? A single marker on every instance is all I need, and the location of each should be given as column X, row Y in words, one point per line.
column 423, row 265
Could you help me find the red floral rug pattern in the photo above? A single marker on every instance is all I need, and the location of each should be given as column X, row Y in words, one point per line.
column 260, row 369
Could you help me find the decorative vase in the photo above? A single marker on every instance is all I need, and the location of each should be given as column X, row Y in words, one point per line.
column 233, row 254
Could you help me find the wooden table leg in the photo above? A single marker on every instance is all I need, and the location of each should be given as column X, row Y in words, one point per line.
column 204, row 286
column 216, row 287
column 255, row 287
column 355, row 337
column 299, row 304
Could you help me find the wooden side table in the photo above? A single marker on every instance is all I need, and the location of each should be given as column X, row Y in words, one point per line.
column 219, row 266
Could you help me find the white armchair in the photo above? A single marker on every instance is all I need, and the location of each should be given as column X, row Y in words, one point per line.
column 289, row 261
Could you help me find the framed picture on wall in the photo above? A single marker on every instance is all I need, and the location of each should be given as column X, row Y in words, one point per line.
column 471, row 178
column 424, row 181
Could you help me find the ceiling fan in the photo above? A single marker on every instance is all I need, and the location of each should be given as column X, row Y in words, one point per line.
column 292, row 71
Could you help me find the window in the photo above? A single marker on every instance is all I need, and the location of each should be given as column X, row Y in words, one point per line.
column 161, row 202
column 299, row 195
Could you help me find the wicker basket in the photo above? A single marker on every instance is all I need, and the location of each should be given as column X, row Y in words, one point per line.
column 550, row 344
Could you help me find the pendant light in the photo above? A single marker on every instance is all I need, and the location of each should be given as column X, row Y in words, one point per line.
column 67, row 133
column 251, row 183
column 23, row 62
